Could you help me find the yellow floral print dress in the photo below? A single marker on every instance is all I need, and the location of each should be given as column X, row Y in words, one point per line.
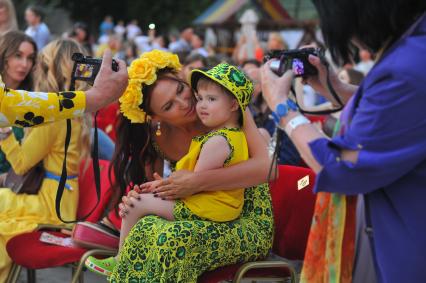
column 158, row 250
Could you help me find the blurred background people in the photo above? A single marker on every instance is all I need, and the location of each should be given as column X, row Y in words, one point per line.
column 120, row 29
column 37, row 29
column 80, row 33
column 191, row 62
column 197, row 44
column 133, row 30
column 107, row 26
column 7, row 17
column 366, row 61
column 20, row 213
column 275, row 42
column 183, row 43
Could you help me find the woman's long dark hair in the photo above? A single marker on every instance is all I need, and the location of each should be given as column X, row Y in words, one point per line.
column 9, row 45
column 372, row 22
column 133, row 148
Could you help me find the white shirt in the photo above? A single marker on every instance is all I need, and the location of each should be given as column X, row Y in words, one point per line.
column 133, row 31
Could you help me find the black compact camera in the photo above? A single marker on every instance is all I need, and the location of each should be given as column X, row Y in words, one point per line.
column 86, row 68
column 295, row 59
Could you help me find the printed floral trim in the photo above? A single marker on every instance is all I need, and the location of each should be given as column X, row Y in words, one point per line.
column 220, row 132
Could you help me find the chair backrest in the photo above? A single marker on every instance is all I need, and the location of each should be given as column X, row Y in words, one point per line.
column 87, row 197
column 293, row 210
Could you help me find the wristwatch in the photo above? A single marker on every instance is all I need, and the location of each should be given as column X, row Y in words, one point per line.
column 282, row 109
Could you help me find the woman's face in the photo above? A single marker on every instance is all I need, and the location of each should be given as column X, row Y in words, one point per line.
column 19, row 64
column 80, row 34
column 172, row 101
column 31, row 18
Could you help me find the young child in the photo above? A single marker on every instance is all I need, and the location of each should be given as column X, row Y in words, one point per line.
column 222, row 94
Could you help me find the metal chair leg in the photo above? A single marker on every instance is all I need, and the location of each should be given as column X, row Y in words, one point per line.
column 74, row 271
column 14, row 273
column 31, row 275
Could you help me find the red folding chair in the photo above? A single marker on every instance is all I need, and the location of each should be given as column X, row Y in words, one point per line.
column 27, row 251
column 293, row 206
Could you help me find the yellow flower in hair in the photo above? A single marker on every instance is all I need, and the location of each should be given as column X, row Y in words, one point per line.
column 143, row 71
column 129, row 102
column 163, row 59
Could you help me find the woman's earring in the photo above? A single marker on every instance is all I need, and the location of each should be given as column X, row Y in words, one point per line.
column 158, row 131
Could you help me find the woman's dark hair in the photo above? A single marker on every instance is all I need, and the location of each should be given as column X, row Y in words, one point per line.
column 9, row 45
column 133, row 148
column 371, row 22
column 82, row 26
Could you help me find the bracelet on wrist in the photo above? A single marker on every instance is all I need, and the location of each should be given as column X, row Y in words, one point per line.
column 294, row 123
column 282, row 110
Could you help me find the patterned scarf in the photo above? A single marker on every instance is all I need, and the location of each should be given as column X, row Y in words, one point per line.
column 330, row 250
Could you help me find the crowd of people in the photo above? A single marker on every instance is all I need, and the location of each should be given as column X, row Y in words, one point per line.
column 191, row 133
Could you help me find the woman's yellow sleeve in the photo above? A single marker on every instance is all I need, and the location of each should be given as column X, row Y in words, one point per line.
column 34, row 148
column 27, row 109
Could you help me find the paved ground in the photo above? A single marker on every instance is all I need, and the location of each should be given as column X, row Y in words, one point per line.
column 63, row 275
column 59, row 275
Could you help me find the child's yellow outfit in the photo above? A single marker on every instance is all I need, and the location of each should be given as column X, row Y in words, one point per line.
column 26, row 109
column 216, row 205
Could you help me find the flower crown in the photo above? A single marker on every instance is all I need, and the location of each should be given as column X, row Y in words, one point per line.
column 143, row 71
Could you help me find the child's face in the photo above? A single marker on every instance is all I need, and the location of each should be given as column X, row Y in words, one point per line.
column 215, row 108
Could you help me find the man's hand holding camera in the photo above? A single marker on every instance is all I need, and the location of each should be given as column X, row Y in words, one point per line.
column 109, row 85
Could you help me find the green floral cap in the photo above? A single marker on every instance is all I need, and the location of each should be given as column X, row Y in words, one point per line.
column 229, row 77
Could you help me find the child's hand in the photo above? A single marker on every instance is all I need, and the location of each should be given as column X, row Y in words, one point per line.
column 149, row 187
column 127, row 202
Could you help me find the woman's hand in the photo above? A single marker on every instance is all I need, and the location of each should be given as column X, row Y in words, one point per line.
column 275, row 89
column 319, row 82
column 179, row 185
column 149, row 187
column 108, row 86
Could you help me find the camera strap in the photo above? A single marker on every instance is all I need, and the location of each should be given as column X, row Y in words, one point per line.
column 330, row 88
column 64, row 174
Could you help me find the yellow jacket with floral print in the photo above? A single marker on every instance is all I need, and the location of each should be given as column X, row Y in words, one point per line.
column 27, row 109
